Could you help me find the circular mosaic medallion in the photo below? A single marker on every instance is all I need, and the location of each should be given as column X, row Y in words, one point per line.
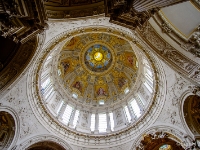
column 98, row 58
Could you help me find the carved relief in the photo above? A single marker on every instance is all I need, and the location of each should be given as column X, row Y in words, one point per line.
column 84, row 119
column 195, row 40
column 170, row 54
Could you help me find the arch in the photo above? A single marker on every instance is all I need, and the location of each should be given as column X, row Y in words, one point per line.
column 153, row 138
column 9, row 127
column 46, row 145
column 191, row 113
column 44, row 141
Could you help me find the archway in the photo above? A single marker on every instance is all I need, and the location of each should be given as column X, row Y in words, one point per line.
column 46, row 145
column 191, row 110
column 7, row 129
column 158, row 141
column 44, row 142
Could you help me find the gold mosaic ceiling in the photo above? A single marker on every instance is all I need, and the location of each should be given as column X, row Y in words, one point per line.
column 98, row 66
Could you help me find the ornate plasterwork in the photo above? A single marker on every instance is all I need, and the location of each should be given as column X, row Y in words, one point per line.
column 171, row 113
column 177, row 60
column 121, row 136
column 195, row 40
column 175, row 135
column 190, row 44
column 155, row 140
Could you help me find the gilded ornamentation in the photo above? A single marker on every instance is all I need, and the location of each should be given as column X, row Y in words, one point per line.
column 94, row 60
column 156, row 141
column 98, row 58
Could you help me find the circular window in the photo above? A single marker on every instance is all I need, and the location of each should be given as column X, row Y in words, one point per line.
column 98, row 58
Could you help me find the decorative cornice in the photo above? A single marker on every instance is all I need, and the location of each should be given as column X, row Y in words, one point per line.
column 167, row 52
column 190, row 44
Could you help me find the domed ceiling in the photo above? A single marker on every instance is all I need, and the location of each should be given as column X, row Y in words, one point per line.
column 95, row 71
column 92, row 66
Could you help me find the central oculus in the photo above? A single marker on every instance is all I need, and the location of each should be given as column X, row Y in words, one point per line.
column 98, row 58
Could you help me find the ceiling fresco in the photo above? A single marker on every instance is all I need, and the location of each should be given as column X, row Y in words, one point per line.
column 92, row 66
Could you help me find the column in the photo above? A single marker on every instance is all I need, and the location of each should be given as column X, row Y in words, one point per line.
column 133, row 116
column 49, row 97
column 72, row 118
column 139, row 104
column 108, row 122
column 96, row 130
column 62, row 110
